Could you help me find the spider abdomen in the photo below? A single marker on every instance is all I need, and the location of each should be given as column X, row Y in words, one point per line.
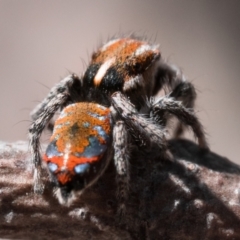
column 77, row 151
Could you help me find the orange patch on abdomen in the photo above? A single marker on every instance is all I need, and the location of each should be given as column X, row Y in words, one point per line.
column 77, row 123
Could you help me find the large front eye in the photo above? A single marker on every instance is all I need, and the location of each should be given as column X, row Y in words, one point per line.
column 52, row 166
column 82, row 168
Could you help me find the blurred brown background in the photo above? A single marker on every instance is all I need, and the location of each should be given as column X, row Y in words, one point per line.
column 41, row 41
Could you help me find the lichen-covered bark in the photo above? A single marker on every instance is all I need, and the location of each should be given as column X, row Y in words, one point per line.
column 196, row 195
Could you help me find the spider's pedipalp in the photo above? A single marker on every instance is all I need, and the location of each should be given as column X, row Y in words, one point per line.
column 141, row 128
column 121, row 160
column 185, row 115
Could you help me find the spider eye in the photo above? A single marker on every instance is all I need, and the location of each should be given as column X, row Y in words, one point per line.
column 52, row 167
column 82, row 168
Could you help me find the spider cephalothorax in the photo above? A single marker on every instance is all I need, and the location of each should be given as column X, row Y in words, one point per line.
column 106, row 109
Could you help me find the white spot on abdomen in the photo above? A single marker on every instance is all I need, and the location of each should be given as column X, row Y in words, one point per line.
column 66, row 156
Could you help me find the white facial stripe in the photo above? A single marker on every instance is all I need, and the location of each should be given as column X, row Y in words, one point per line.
column 102, row 71
column 66, row 156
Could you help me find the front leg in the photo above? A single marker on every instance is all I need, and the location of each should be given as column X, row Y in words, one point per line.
column 144, row 130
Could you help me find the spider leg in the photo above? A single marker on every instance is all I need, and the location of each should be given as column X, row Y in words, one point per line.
column 185, row 115
column 166, row 77
column 137, row 127
column 170, row 79
column 58, row 97
column 141, row 128
column 121, row 156
column 186, row 93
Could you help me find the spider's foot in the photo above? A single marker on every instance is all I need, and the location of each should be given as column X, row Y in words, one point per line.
column 38, row 186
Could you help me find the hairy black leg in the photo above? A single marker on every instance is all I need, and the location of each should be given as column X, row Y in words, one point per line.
column 186, row 93
column 141, row 129
column 170, row 79
column 185, row 115
column 166, row 77
column 56, row 99
column 121, row 160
